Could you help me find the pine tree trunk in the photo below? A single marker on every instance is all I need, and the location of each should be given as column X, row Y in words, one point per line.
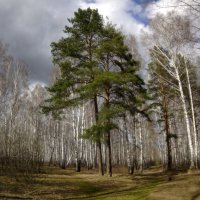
column 168, row 136
column 108, row 155
column 107, row 134
column 99, row 150
column 100, row 163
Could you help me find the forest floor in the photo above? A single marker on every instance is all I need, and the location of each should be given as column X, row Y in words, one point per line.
column 54, row 183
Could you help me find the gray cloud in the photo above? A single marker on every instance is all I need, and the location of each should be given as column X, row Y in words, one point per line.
column 29, row 27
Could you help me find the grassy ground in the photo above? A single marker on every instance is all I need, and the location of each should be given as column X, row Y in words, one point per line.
column 55, row 183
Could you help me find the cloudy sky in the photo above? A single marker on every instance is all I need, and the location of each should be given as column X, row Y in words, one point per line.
column 29, row 26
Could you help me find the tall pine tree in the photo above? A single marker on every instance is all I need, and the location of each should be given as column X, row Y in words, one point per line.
column 96, row 65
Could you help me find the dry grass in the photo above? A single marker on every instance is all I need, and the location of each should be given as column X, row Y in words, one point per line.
column 54, row 183
column 182, row 187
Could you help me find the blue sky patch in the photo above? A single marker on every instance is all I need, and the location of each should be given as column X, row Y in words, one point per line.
column 140, row 17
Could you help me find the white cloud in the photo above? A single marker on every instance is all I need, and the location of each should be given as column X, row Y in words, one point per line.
column 119, row 12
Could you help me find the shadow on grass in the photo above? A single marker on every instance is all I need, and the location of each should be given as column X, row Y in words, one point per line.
column 132, row 193
column 55, row 185
column 195, row 196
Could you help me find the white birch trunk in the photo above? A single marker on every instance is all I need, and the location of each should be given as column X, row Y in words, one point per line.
column 62, row 148
column 141, row 146
column 185, row 115
column 127, row 147
column 193, row 116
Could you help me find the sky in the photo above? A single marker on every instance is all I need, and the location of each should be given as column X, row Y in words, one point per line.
column 28, row 26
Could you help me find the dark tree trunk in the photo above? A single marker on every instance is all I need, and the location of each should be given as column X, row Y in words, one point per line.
column 168, row 135
column 108, row 155
column 131, row 169
column 63, row 164
column 100, row 163
column 107, row 122
column 99, row 151
column 78, row 165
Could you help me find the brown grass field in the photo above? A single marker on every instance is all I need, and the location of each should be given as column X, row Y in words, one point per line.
column 54, row 183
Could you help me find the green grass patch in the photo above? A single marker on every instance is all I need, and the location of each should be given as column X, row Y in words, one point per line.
column 55, row 183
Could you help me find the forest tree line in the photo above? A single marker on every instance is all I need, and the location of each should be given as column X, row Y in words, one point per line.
column 98, row 110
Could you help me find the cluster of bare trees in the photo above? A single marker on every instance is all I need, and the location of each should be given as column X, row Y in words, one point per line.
column 174, row 70
column 21, row 132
